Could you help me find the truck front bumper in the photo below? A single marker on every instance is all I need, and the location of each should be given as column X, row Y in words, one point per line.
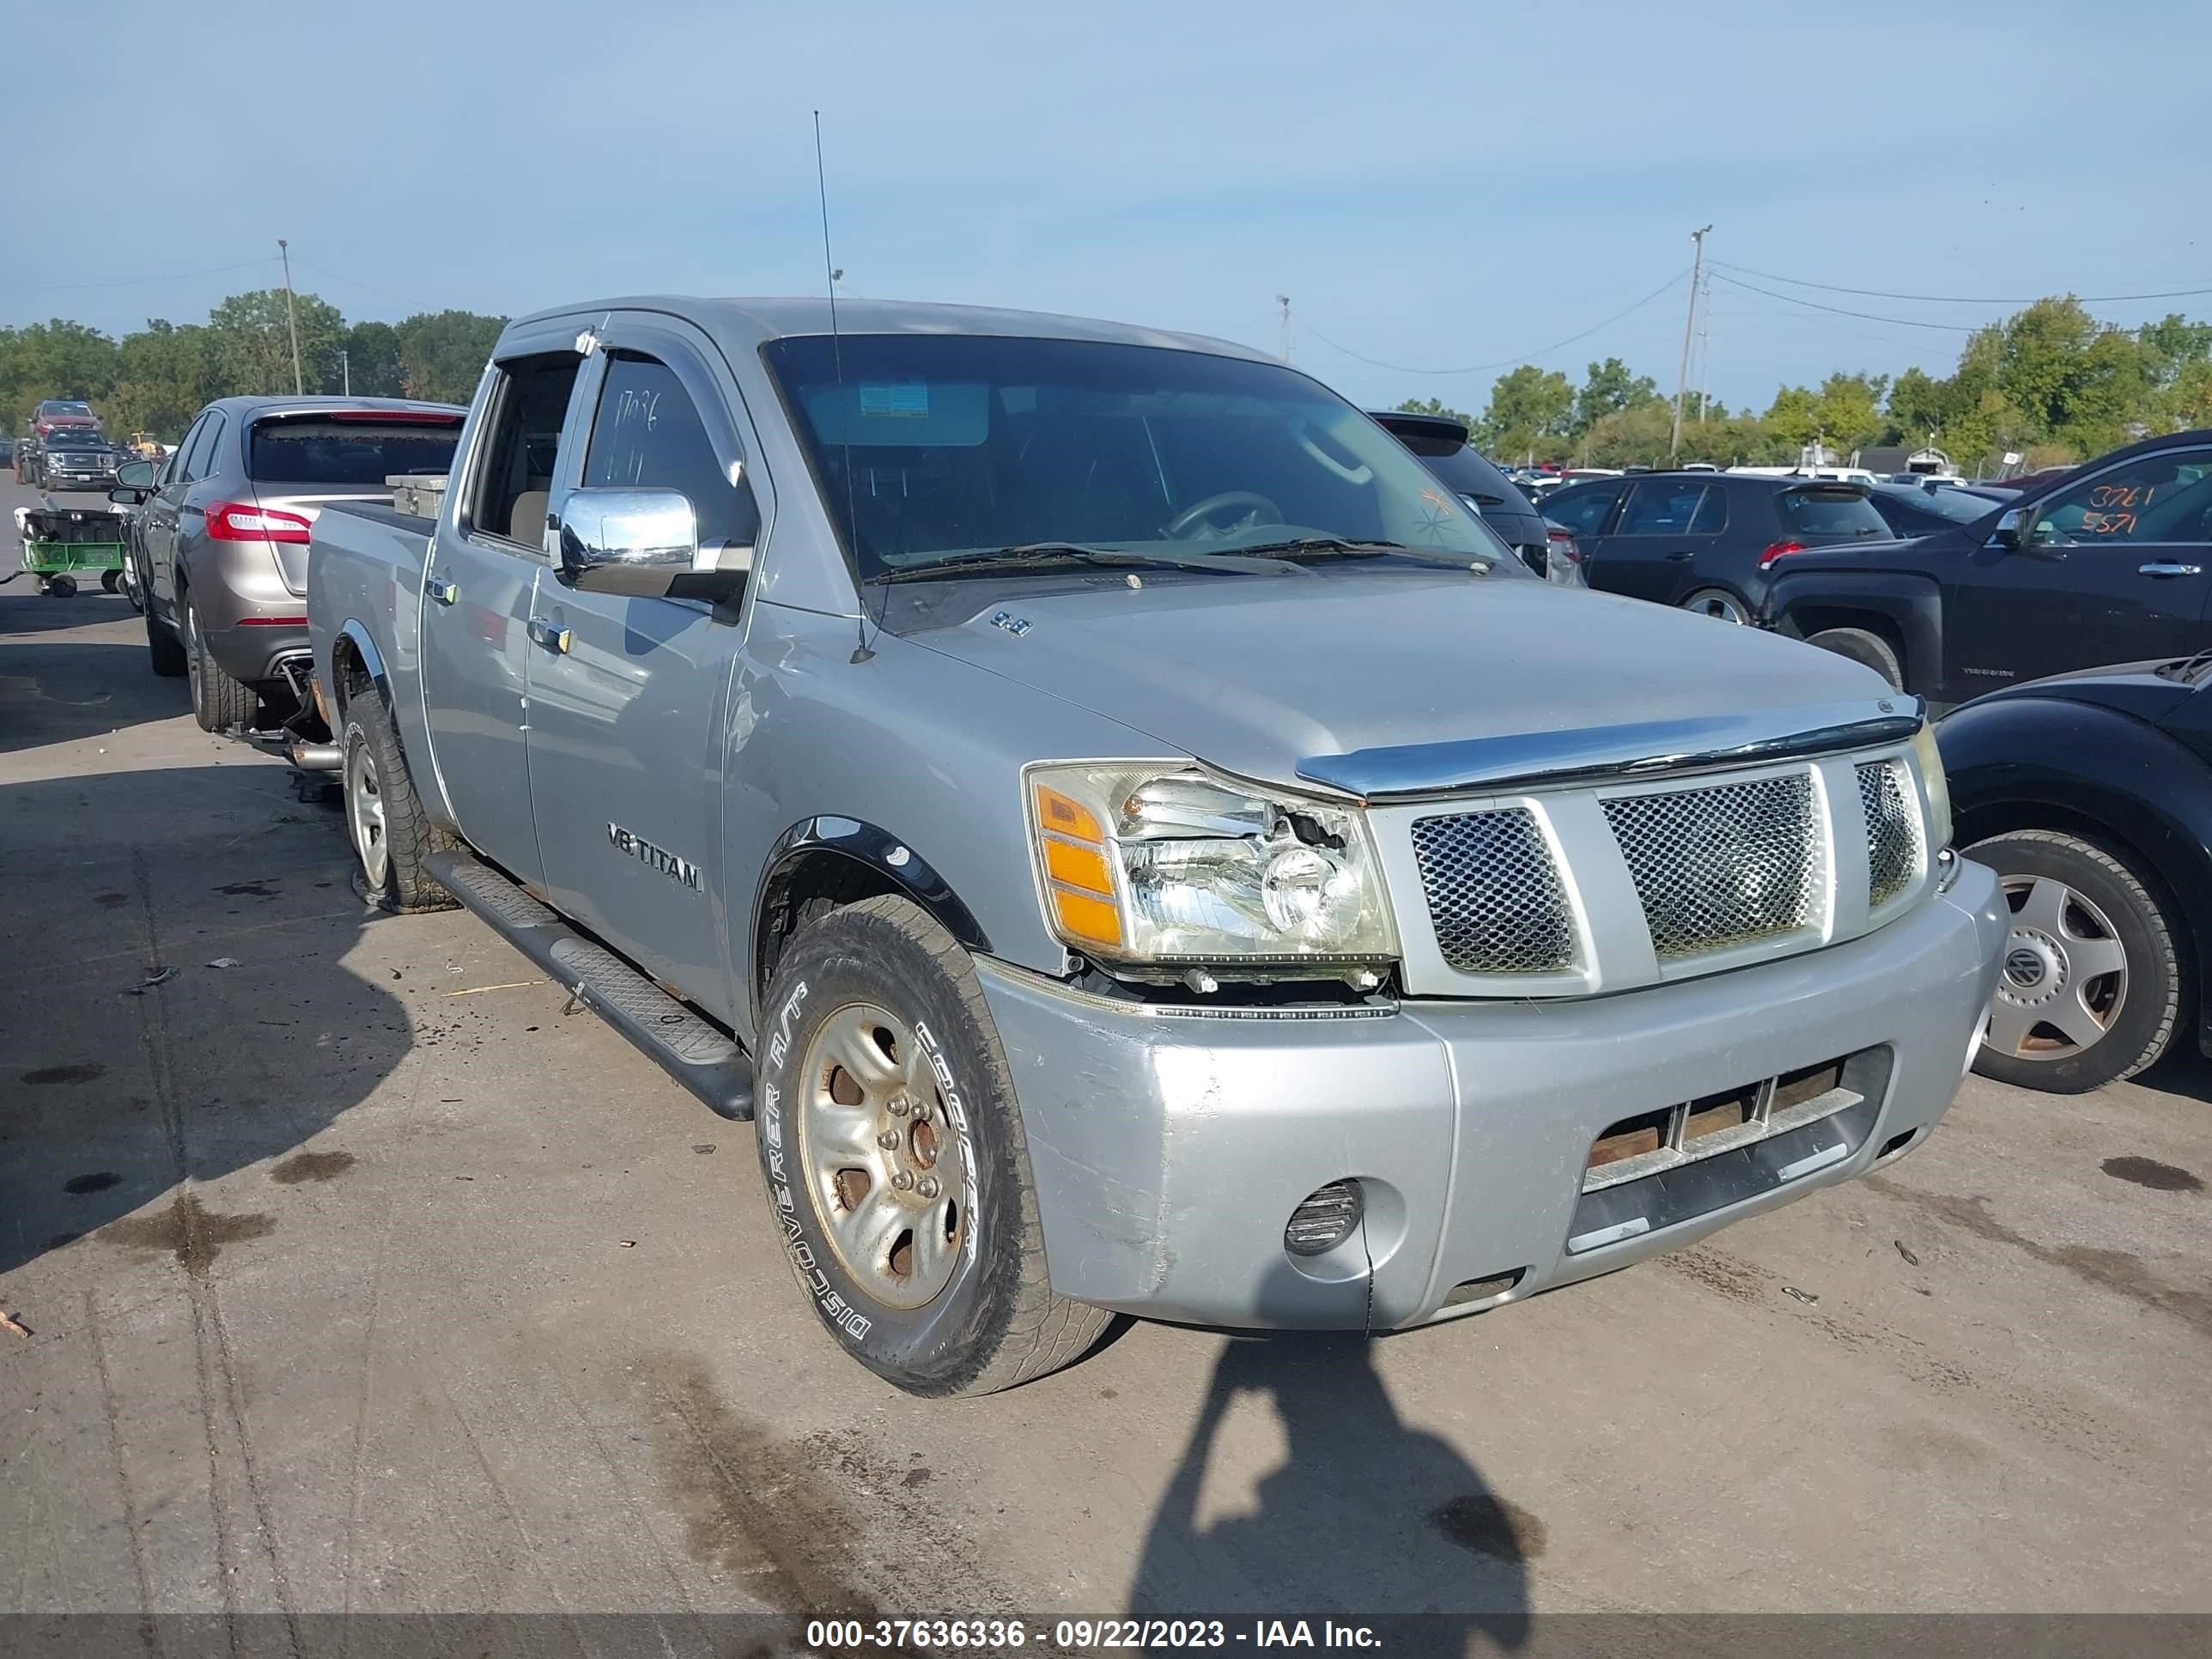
column 1170, row 1149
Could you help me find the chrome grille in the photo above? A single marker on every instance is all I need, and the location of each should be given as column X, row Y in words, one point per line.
column 1892, row 826
column 1494, row 898
column 1722, row 865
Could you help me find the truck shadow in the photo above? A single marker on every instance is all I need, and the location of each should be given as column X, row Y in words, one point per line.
column 1365, row 1515
column 174, row 1004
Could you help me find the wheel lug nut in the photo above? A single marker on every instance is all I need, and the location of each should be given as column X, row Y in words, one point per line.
column 920, row 1112
column 927, row 1187
column 888, row 1141
column 902, row 1180
column 899, row 1105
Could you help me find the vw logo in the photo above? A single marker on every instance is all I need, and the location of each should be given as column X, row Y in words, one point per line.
column 2023, row 967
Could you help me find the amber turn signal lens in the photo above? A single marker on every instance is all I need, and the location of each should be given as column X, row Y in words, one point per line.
column 1084, row 917
column 1077, row 866
column 1063, row 817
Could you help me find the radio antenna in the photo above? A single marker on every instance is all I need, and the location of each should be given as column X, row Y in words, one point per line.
column 860, row 651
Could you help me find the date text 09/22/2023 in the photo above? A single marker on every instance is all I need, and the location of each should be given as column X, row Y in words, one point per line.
column 998, row 1635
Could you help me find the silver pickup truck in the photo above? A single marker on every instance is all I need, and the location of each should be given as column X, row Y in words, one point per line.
column 1134, row 840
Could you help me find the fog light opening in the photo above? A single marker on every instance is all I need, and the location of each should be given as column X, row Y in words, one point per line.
column 1324, row 1219
column 1480, row 1290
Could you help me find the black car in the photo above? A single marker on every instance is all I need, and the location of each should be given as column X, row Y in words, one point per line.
column 1440, row 443
column 1920, row 509
column 74, row 459
column 2090, row 795
column 2110, row 562
column 1705, row 540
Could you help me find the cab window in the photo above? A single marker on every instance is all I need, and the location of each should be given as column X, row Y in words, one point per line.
column 648, row 435
column 511, row 475
column 2161, row 497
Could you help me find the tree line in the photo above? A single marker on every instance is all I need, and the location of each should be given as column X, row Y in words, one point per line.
column 2050, row 383
column 155, row 379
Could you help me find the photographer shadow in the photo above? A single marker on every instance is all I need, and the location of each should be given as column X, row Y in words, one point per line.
column 1364, row 1517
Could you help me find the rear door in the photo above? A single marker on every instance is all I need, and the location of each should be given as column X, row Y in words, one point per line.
column 628, row 695
column 2115, row 567
column 297, row 462
column 479, row 582
column 1660, row 545
column 1584, row 509
column 165, row 509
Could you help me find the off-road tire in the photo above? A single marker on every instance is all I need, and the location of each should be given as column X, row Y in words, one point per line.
column 408, row 887
column 997, row 1322
column 2157, row 988
column 219, row 703
column 1864, row 646
column 164, row 650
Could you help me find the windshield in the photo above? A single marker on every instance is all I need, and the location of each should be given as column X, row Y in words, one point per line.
column 936, row 448
column 81, row 438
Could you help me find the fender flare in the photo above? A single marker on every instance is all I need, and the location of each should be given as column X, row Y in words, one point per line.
column 1912, row 605
column 2114, row 774
column 371, row 659
column 865, row 845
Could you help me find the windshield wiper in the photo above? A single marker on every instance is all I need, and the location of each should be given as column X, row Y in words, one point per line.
column 1374, row 549
column 1043, row 556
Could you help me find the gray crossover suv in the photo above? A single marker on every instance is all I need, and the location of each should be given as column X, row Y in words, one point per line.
column 222, row 541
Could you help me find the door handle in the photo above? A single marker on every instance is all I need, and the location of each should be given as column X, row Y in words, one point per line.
column 553, row 639
column 444, row 593
column 1681, row 556
column 2162, row 568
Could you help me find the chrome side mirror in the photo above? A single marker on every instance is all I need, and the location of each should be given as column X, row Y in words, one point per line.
column 634, row 541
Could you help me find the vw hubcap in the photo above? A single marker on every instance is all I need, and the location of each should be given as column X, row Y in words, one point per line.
column 364, row 814
column 883, row 1166
column 2064, row 979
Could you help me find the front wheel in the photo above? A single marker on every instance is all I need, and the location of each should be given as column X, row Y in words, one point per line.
column 2091, row 987
column 894, row 1155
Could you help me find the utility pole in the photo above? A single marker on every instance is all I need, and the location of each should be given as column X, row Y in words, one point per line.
column 1689, row 328
column 345, row 372
column 1705, row 352
column 291, row 321
column 1284, row 301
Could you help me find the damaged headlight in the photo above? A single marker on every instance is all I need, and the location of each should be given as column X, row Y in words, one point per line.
column 1159, row 864
column 1938, row 785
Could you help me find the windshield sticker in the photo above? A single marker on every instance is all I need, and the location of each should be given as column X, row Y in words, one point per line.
column 896, row 400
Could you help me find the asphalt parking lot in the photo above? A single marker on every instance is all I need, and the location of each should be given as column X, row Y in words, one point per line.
column 359, row 1277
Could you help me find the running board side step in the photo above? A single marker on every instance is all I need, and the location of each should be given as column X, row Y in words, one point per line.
column 698, row 1055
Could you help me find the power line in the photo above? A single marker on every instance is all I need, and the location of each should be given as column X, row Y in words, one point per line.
column 1868, row 316
column 1518, row 357
column 1957, row 300
column 138, row 282
column 352, row 282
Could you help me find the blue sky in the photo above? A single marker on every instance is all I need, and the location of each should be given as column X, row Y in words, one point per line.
column 1435, row 186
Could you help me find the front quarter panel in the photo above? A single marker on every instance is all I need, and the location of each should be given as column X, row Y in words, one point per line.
column 2018, row 762
column 921, row 745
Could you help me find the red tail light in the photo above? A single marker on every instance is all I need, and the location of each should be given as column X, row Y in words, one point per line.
column 1778, row 550
column 244, row 521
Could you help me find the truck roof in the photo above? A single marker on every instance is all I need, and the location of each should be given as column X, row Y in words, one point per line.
column 745, row 323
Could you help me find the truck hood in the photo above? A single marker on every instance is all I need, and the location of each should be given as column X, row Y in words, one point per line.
column 1254, row 674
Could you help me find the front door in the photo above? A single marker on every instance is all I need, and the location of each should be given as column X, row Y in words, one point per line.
column 2114, row 567
column 629, row 695
column 479, row 585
